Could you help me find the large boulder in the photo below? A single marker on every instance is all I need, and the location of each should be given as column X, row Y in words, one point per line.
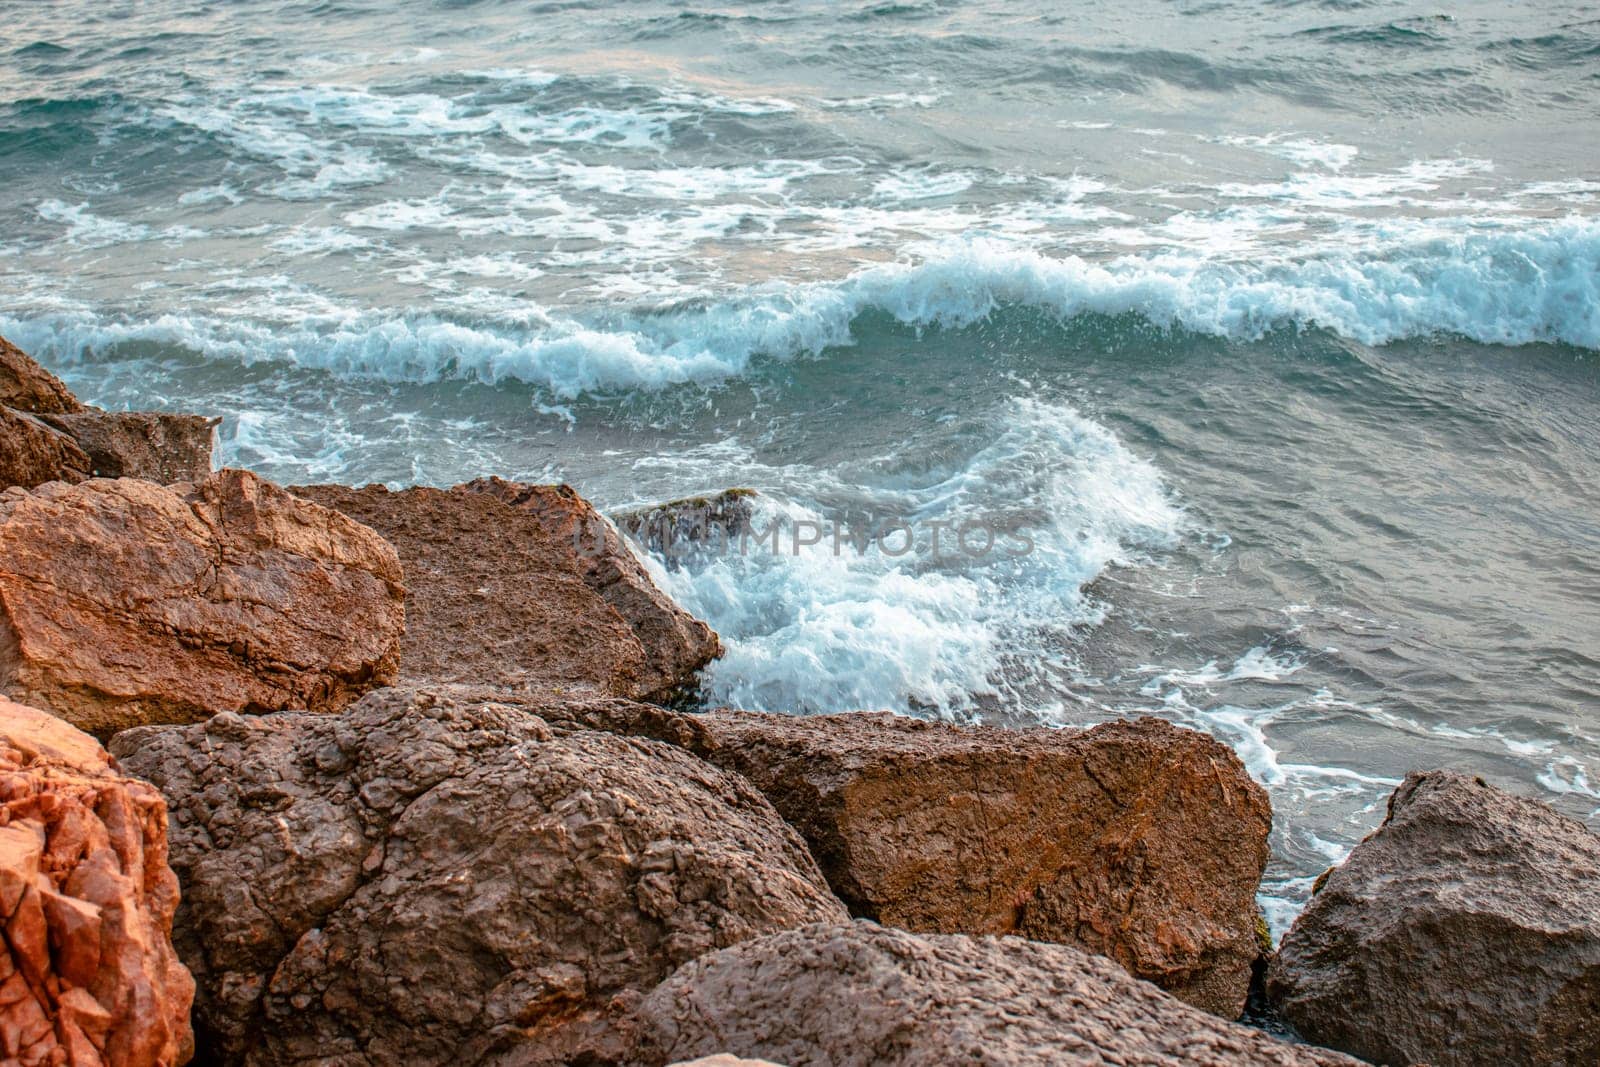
column 1134, row 840
column 123, row 602
column 432, row 879
column 528, row 588
column 32, row 453
column 843, row 995
column 90, row 977
column 1465, row 930
column 155, row 446
column 26, row 386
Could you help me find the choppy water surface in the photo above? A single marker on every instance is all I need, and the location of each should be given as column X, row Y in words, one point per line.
column 1272, row 324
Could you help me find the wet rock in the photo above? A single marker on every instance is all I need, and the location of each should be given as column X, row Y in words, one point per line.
column 1465, row 930
column 1134, row 840
column 123, row 602
column 157, row 447
column 32, row 453
column 90, row 977
column 859, row 994
column 428, row 879
column 694, row 524
column 529, row 588
column 26, row 386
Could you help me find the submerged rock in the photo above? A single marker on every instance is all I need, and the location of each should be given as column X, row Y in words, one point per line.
column 90, row 977
column 157, row 447
column 431, row 879
column 699, row 523
column 1134, row 840
column 124, row 603
column 33, row 453
column 1465, row 930
column 858, row 994
column 26, row 386
column 528, row 588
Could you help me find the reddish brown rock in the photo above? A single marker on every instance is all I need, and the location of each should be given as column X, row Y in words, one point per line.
column 1464, row 931
column 26, row 386
column 859, row 995
column 428, row 879
column 32, row 453
column 123, row 602
column 527, row 588
column 155, row 446
column 1134, row 840
column 90, row 977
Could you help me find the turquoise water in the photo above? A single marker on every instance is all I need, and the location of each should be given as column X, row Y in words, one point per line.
column 1273, row 326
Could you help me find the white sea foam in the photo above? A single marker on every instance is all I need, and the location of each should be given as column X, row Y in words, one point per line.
column 1508, row 286
column 1304, row 151
column 825, row 627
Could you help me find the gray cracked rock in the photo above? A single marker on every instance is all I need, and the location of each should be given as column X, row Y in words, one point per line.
column 1464, row 931
column 862, row 995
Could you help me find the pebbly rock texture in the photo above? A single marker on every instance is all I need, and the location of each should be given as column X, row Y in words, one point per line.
column 1465, row 930
column 124, row 603
column 26, row 386
column 157, row 447
column 843, row 995
column 429, row 879
column 90, row 977
column 529, row 588
column 724, row 1060
column 32, row 453
column 1134, row 840
column 683, row 527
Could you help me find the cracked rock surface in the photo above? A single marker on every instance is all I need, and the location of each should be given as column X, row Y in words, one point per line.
column 1134, row 840
column 430, row 878
column 1465, row 930
column 860, row 995
column 124, row 603
column 89, row 978
column 529, row 588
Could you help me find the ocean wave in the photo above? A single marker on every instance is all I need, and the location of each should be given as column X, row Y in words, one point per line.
column 1535, row 283
column 816, row 628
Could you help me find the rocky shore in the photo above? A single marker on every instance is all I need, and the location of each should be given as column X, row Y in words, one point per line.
column 332, row 775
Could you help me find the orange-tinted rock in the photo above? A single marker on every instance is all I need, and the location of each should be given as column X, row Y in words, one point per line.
column 90, row 978
column 527, row 588
column 1134, row 840
column 123, row 602
column 26, row 386
column 32, row 453
column 155, row 446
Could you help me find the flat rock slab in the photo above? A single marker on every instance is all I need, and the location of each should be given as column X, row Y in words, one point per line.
column 124, row 603
column 860, row 995
column 428, row 879
column 152, row 445
column 1464, row 931
column 90, row 977
column 527, row 588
